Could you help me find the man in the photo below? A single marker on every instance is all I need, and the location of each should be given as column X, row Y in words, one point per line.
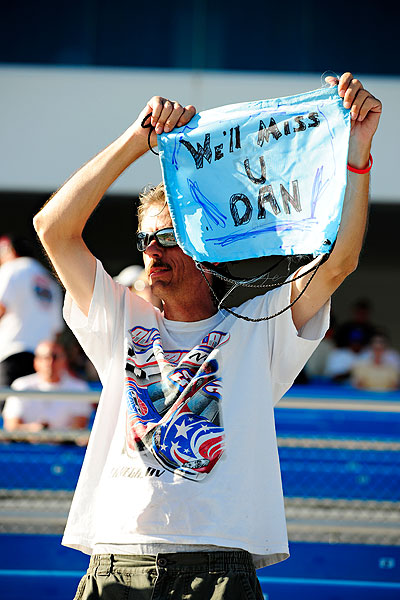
column 30, row 308
column 180, row 495
column 359, row 324
column 373, row 371
column 27, row 414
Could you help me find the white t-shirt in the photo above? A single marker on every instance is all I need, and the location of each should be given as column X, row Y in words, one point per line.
column 183, row 448
column 57, row 413
column 33, row 302
column 340, row 361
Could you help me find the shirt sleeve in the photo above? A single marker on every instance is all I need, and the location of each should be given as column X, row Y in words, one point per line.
column 96, row 332
column 289, row 349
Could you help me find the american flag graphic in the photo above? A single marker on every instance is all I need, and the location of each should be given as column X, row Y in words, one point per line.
column 173, row 403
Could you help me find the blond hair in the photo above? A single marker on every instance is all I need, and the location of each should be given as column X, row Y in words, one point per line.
column 151, row 196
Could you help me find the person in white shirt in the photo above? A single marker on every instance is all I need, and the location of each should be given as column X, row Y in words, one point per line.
column 180, row 493
column 32, row 414
column 374, row 371
column 30, row 308
column 341, row 360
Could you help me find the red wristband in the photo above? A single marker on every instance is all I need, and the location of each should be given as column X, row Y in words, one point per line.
column 362, row 171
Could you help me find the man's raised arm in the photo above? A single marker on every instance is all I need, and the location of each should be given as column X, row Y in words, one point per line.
column 365, row 114
column 61, row 221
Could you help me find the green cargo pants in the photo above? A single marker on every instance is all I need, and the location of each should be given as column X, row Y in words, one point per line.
column 183, row 576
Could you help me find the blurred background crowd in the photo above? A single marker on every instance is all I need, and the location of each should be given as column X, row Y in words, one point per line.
column 39, row 353
column 69, row 90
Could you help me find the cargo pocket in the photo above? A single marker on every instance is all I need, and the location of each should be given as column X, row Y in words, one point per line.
column 81, row 588
column 251, row 586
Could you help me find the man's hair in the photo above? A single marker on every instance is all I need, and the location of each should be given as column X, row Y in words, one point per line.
column 152, row 196
column 155, row 196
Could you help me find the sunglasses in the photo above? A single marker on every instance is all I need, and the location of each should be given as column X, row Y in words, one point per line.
column 164, row 237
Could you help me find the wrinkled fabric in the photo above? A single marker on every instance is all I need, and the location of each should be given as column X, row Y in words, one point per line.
column 258, row 178
column 188, row 575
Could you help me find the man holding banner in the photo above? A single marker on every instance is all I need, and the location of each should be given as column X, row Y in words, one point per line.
column 180, row 492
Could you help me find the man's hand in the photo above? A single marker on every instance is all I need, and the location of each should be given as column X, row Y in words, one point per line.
column 365, row 111
column 165, row 116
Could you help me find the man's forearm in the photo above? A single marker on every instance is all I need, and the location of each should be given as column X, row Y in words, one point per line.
column 60, row 223
column 66, row 213
column 353, row 222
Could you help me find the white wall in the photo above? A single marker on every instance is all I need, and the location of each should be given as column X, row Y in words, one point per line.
column 52, row 120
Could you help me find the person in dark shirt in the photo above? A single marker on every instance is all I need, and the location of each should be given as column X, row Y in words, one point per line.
column 359, row 326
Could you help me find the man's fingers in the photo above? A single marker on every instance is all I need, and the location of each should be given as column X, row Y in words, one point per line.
column 156, row 105
column 188, row 113
column 167, row 114
column 344, row 83
column 331, row 80
column 357, row 106
column 369, row 105
column 174, row 117
column 351, row 93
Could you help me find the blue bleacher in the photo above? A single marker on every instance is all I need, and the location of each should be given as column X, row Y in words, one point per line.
column 315, row 570
column 40, row 466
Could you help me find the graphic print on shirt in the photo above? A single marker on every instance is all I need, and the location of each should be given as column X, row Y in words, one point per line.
column 173, row 403
column 42, row 290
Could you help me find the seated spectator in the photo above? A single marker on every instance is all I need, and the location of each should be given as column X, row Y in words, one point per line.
column 30, row 308
column 360, row 325
column 390, row 356
column 29, row 414
column 78, row 363
column 373, row 372
column 134, row 277
column 341, row 360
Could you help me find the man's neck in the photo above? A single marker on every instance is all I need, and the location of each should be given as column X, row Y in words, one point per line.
column 188, row 312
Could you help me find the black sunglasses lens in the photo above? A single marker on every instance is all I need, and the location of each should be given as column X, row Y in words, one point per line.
column 142, row 241
column 166, row 237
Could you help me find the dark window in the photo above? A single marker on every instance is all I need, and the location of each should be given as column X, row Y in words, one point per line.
column 226, row 34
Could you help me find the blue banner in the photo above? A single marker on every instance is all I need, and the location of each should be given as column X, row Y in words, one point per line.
column 258, row 178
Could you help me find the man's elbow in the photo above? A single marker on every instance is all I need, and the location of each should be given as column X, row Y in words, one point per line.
column 339, row 270
column 46, row 231
column 350, row 265
column 39, row 224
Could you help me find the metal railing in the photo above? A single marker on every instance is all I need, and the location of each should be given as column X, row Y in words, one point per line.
column 338, row 487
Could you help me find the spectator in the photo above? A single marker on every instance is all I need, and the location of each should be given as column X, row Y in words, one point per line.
column 134, row 277
column 374, row 372
column 27, row 414
column 341, row 360
column 360, row 325
column 79, row 364
column 30, row 308
column 390, row 356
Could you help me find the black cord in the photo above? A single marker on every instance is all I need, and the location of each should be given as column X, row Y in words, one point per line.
column 239, row 280
column 249, row 282
column 150, row 127
column 312, row 270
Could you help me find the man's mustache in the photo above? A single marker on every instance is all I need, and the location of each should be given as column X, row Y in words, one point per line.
column 158, row 264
